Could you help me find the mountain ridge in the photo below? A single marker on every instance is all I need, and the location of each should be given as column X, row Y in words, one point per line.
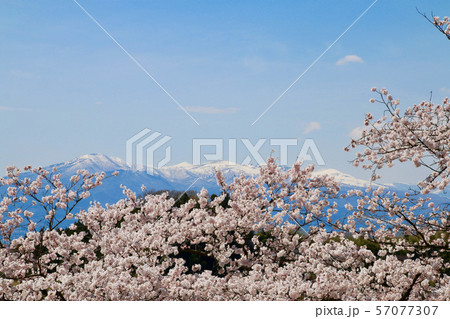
column 180, row 173
column 180, row 177
column 185, row 176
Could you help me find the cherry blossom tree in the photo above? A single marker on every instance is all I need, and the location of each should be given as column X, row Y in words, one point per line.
column 409, row 224
column 262, row 239
column 420, row 135
column 442, row 25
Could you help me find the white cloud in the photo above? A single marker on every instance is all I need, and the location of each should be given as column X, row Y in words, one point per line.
column 210, row 110
column 445, row 90
column 350, row 59
column 7, row 108
column 356, row 132
column 313, row 126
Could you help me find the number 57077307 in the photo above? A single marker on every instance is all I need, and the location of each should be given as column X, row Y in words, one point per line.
column 406, row 310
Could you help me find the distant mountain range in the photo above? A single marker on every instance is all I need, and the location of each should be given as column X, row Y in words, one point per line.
column 183, row 176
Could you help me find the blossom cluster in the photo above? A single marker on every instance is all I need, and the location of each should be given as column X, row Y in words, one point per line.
column 443, row 25
column 420, row 135
column 269, row 237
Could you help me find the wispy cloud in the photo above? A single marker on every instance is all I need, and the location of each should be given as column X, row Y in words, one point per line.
column 12, row 109
column 445, row 90
column 313, row 126
column 349, row 59
column 211, row 110
column 356, row 132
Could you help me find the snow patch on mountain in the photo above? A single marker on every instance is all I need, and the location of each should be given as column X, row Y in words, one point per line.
column 346, row 179
column 181, row 176
column 94, row 163
column 185, row 170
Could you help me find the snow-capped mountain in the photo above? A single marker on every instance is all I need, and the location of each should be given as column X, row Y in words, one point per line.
column 93, row 163
column 180, row 177
column 350, row 180
column 176, row 177
column 185, row 174
column 343, row 178
column 110, row 191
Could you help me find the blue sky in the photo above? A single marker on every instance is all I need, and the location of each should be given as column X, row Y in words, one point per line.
column 66, row 89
